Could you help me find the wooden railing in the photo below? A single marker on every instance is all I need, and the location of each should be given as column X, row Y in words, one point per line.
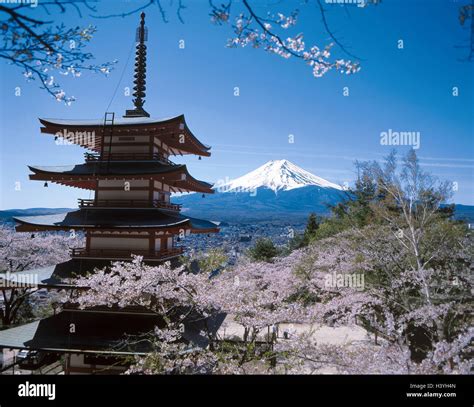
column 127, row 203
column 91, row 157
column 82, row 252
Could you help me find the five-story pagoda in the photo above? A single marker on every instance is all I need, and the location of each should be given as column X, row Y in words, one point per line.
column 130, row 172
column 129, row 169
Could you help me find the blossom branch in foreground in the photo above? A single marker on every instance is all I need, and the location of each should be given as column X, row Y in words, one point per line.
column 259, row 32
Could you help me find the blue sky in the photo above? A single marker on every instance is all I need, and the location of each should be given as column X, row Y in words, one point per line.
column 403, row 90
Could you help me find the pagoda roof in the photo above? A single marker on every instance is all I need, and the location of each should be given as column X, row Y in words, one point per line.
column 102, row 331
column 114, row 219
column 86, row 175
column 168, row 130
column 57, row 275
column 110, row 168
column 62, row 275
column 127, row 121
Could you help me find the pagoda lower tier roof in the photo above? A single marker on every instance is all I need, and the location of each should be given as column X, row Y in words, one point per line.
column 115, row 220
column 61, row 275
column 85, row 175
column 99, row 332
column 58, row 276
column 102, row 331
column 168, row 130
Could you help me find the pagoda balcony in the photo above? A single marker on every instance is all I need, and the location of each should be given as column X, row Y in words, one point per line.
column 96, row 157
column 117, row 254
column 128, row 203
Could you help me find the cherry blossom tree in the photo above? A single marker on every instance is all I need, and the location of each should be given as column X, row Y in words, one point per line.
column 256, row 295
column 254, row 298
column 300, row 288
column 171, row 294
column 173, row 356
column 304, row 355
column 466, row 12
column 406, row 277
column 264, row 32
column 44, row 51
column 20, row 252
column 428, row 253
column 417, row 266
column 160, row 289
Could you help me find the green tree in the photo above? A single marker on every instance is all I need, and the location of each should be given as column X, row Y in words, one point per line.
column 311, row 228
column 212, row 260
column 264, row 250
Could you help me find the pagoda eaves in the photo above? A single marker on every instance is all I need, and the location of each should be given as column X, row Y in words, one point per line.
column 88, row 175
column 173, row 132
column 116, row 219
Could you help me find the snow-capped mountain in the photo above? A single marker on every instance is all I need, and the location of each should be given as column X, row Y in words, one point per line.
column 278, row 190
column 277, row 175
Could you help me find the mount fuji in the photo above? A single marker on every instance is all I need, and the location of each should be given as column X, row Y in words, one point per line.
column 277, row 175
column 277, row 190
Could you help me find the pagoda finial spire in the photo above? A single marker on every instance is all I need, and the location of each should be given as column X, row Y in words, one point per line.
column 140, row 72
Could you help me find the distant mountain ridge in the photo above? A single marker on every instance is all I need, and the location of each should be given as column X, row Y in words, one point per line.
column 462, row 212
column 278, row 190
column 8, row 214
